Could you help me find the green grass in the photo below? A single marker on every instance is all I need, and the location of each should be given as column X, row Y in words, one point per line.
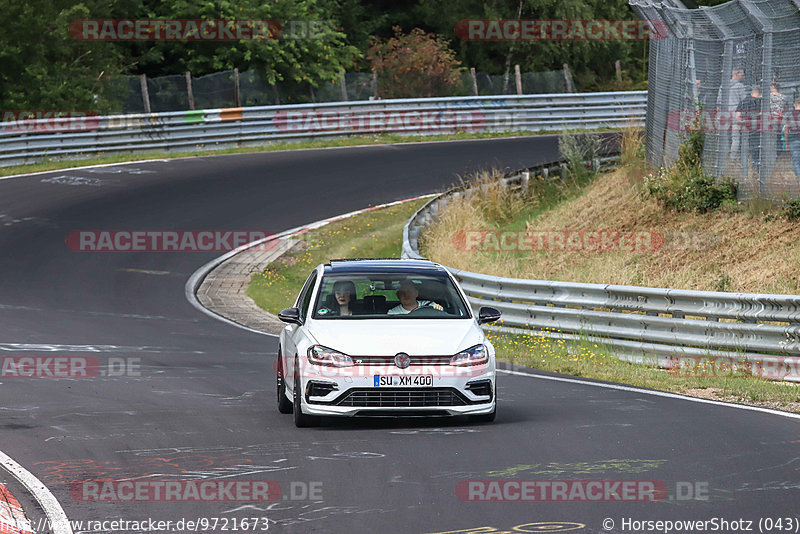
column 591, row 360
column 382, row 139
column 374, row 234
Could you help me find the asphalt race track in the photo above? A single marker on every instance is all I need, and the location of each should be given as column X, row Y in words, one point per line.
column 203, row 405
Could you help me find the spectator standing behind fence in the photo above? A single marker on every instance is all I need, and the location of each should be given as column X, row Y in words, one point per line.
column 777, row 105
column 736, row 93
column 704, row 96
column 791, row 131
column 748, row 113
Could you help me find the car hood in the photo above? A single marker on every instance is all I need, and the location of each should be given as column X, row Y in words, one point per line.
column 387, row 337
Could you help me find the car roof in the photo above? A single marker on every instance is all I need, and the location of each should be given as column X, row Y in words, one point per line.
column 384, row 266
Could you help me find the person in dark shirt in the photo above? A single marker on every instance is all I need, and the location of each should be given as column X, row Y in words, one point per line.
column 748, row 114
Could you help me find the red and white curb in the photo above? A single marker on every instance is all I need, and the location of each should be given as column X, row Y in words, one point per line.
column 56, row 518
column 12, row 518
column 194, row 281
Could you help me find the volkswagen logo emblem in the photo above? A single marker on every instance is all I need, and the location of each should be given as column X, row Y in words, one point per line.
column 402, row 360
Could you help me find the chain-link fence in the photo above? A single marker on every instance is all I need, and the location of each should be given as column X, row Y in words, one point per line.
column 219, row 90
column 733, row 71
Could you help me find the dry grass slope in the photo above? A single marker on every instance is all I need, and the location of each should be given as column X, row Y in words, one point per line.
column 732, row 250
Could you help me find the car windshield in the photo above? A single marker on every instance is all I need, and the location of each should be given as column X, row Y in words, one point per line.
column 389, row 296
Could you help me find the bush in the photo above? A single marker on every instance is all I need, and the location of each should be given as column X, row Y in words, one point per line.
column 791, row 209
column 414, row 65
column 685, row 186
column 576, row 150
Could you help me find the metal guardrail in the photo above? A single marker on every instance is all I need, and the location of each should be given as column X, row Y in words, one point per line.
column 641, row 324
column 36, row 140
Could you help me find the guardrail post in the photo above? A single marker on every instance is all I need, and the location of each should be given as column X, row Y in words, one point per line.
column 236, row 98
column 525, row 184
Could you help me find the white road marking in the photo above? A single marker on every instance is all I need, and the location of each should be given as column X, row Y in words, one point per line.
column 144, row 271
column 66, row 179
column 59, row 524
column 44, row 347
column 65, row 169
column 654, row 393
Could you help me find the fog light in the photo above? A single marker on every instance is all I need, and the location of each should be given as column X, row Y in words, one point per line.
column 482, row 388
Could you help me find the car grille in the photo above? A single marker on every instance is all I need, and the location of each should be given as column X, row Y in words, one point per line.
column 401, row 398
column 389, row 360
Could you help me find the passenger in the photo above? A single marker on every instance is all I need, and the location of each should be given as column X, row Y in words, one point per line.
column 407, row 293
column 345, row 293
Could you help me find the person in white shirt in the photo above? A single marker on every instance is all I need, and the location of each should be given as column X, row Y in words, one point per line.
column 408, row 293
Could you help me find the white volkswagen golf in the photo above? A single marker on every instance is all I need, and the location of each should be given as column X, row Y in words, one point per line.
column 384, row 338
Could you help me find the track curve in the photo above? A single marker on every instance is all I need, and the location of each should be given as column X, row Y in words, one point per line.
column 203, row 407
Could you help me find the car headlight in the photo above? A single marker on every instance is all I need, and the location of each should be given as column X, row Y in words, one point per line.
column 476, row 355
column 320, row 355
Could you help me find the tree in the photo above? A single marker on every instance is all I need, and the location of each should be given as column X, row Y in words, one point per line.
column 44, row 68
column 412, row 65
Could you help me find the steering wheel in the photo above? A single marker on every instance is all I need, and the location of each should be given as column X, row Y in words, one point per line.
column 427, row 311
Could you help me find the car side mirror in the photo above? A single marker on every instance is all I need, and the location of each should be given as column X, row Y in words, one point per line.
column 488, row 315
column 290, row 315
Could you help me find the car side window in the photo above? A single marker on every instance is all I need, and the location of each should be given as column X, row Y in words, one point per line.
column 305, row 295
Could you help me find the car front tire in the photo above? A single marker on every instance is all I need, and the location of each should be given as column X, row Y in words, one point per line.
column 301, row 420
column 284, row 404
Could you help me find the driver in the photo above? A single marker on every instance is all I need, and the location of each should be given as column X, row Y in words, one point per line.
column 408, row 293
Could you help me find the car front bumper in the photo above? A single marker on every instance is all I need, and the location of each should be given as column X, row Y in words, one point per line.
column 451, row 393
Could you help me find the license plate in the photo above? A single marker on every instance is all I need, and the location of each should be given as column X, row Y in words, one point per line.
column 410, row 381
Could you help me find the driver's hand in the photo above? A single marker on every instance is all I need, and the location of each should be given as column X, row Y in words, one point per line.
column 437, row 306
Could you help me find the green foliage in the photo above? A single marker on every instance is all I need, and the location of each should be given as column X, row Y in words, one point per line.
column 44, row 68
column 791, row 209
column 685, row 186
column 577, row 150
column 591, row 62
column 414, row 65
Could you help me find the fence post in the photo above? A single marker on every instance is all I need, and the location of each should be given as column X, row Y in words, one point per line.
column 343, row 85
column 618, row 68
column 568, row 79
column 189, row 92
column 474, row 81
column 237, row 100
column 374, row 85
column 145, row 92
column 518, row 79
